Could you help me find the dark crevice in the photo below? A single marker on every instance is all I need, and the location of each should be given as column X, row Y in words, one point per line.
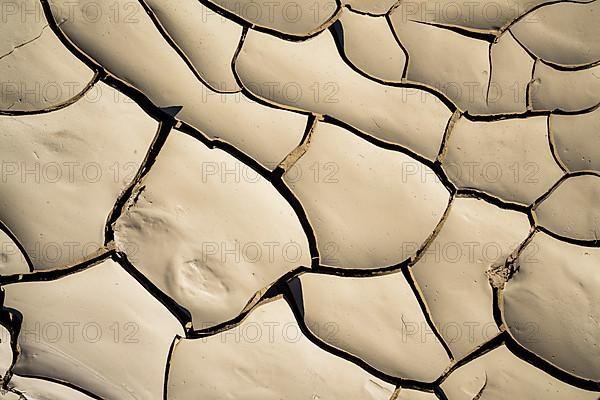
column 405, row 383
column 553, row 149
column 485, row 348
column 403, row 84
column 527, row 355
column 549, row 368
column 489, row 84
column 447, row 131
column 285, row 191
column 176, row 339
column 483, row 36
column 431, row 238
column 311, row 124
column 391, row 26
column 270, row 293
column 592, row 108
column 537, row 7
column 527, row 114
column 558, row 111
column 480, row 392
column 349, row 7
column 63, row 383
column 425, row 310
column 361, row 272
column 164, row 127
column 440, row 393
column 558, row 67
column 12, row 320
column 476, row 193
column 536, row 60
column 295, row 286
column 393, row 8
column 180, row 313
column 105, row 76
column 87, row 60
column 503, row 117
column 294, row 298
column 497, row 292
column 333, row 120
column 165, row 34
column 25, row 43
column 157, row 113
column 50, row 275
column 439, row 170
column 567, row 68
column 17, row 243
column 60, row 106
column 533, row 56
column 497, row 308
column 17, row 392
column 435, row 166
column 251, row 95
column 563, row 178
column 531, row 217
column 290, row 159
column 235, row 56
column 337, row 31
column 289, row 37
column 498, row 202
column 528, row 88
column 276, row 181
column 577, row 242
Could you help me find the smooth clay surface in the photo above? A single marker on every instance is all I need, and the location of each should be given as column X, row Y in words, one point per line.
column 210, row 261
column 340, row 174
column 299, row 200
column 544, row 314
column 70, row 165
column 116, row 348
column 283, row 350
column 389, row 311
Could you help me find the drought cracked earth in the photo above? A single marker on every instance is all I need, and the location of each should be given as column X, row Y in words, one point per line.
column 365, row 199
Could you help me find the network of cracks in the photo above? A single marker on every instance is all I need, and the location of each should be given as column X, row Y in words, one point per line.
column 391, row 200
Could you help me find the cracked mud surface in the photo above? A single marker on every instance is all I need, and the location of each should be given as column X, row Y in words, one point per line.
column 339, row 199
